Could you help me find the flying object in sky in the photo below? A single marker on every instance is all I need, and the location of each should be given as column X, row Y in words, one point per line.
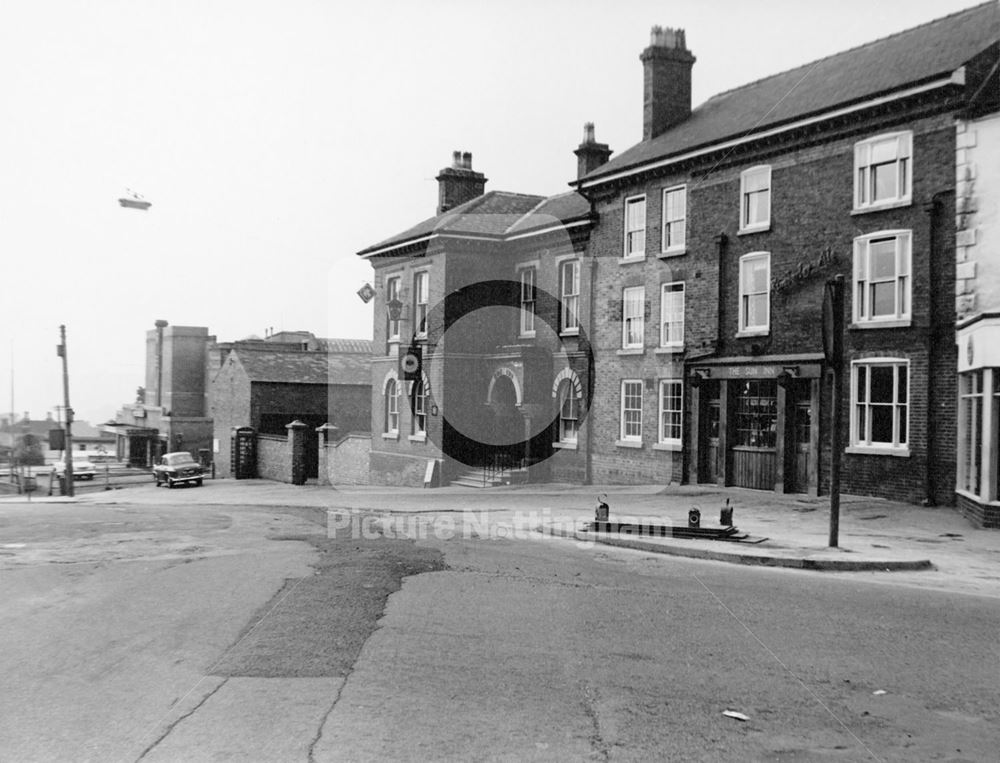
column 134, row 201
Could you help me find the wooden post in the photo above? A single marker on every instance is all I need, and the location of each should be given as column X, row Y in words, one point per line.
column 833, row 349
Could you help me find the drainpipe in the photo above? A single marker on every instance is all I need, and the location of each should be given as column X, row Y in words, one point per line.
column 932, row 209
column 588, row 477
column 720, row 243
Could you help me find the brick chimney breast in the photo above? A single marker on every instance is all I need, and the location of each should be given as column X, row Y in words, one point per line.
column 666, row 92
column 459, row 183
column 590, row 154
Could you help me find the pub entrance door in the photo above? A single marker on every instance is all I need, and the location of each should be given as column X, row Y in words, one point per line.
column 709, row 469
column 754, row 433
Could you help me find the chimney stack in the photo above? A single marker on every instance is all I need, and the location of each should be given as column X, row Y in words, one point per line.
column 590, row 154
column 666, row 98
column 458, row 183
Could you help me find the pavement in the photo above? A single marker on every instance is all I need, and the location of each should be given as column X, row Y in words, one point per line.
column 776, row 530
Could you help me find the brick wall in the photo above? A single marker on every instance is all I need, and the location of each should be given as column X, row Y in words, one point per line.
column 274, row 458
column 229, row 403
column 811, row 221
column 346, row 461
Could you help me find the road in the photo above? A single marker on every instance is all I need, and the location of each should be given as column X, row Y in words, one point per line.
column 180, row 632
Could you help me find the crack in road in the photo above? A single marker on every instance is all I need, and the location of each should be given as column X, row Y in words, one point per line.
column 173, row 724
column 597, row 742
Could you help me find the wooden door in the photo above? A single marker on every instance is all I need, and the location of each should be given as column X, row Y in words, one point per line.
column 754, row 434
column 709, row 467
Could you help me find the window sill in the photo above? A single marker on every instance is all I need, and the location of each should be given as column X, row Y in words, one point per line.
column 883, row 206
column 628, row 443
column 631, row 351
column 874, row 450
column 570, row 332
column 761, row 228
column 564, row 445
column 526, row 335
column 752, row 332
column 676, row 447
column 673, row 350
column 681, row 250
column 417, row 437
column 632, row 259
column 868, row 325
column 390, row 435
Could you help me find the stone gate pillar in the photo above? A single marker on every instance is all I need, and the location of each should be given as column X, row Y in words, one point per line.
column 297, row 445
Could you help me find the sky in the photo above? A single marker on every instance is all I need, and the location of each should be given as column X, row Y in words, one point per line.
column 277, row 139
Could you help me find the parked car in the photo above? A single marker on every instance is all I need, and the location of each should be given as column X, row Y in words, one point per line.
column 178, row 469
column 83, row 469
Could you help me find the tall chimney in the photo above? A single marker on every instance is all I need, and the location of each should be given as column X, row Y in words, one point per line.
column 666, row 92
column 590, row 154
column 458, row 183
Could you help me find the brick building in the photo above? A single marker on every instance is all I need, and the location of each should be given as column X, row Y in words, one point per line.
column 492, row 295
column 977, row 158
column 716, row 235
column 170, row 412
column 267, row 384
column 692, row 268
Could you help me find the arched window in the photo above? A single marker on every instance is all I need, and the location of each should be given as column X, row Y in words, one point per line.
column 419, row 408
column 392, row 407
column 569, row 411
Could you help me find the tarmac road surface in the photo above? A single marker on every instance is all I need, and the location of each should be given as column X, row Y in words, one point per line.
column 186, row 632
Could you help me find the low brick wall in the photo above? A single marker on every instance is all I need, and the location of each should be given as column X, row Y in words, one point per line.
column 274, row 458
column 345, row 462
column 397, row 469
column 980, row 515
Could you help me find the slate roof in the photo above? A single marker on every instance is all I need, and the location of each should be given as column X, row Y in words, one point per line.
column 564, row 208
column 905, row 59
column 495, row 214
column 349, row 346
column 304, row 367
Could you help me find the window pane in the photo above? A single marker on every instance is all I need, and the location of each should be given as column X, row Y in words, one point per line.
column 882, row 379
column 902, row 396
column 884, row 181
column 884, row 298
column 757, row 310
column 755, row 181
column 882, row 259
column 862, row 393
column 883, row 151
column 881, row 423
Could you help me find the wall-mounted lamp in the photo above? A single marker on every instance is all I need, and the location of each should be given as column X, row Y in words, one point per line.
column 395, row 308
column 787, row 374
column 699, row 375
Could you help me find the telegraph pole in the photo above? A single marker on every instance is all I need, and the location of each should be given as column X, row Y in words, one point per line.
column 68, row 458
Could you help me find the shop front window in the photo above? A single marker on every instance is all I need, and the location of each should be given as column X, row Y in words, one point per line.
column 757, row 414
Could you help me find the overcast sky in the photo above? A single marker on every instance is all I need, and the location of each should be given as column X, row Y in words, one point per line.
column 276, row 139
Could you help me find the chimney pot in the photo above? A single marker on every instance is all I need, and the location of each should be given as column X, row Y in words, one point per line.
column 590, row 154
column 667, row 67
column 459, row 183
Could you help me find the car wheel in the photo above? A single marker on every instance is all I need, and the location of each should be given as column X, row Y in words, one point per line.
column 170, row 483
column 157, row 480
column 197, row 483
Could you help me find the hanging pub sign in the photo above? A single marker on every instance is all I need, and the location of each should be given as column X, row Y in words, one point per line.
column 833, row 321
